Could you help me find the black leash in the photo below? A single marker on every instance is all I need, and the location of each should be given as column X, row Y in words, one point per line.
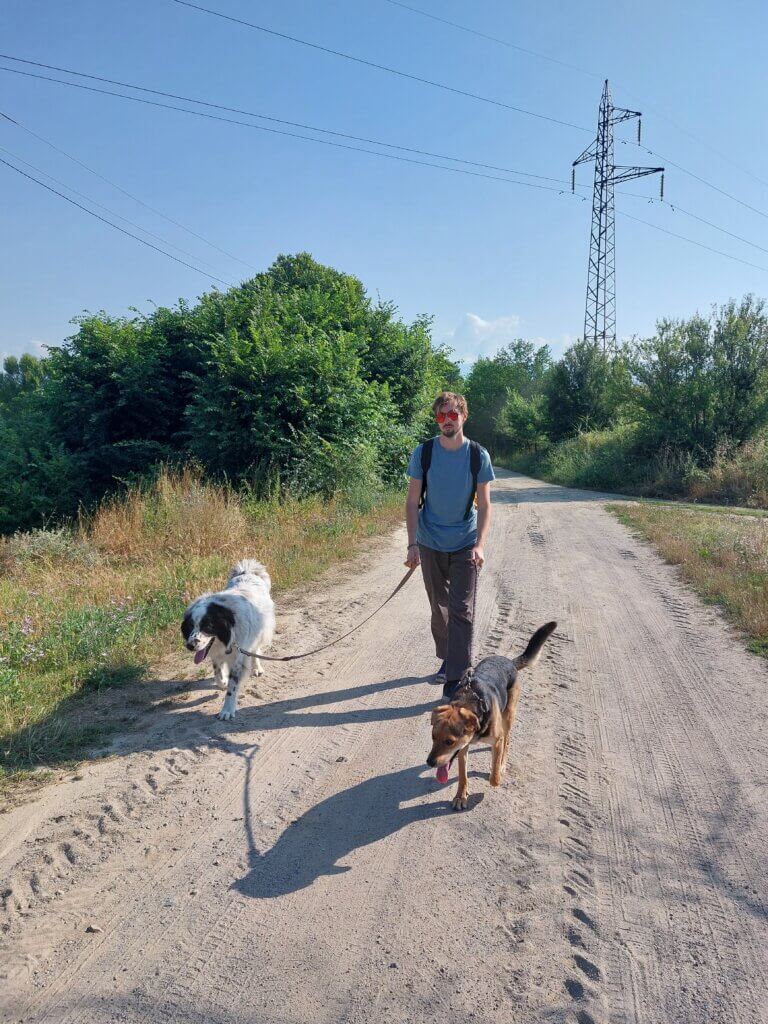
column 306, row 654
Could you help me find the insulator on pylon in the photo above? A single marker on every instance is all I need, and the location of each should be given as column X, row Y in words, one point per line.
column 573, row 179
column 639, row 123
column 661, row 186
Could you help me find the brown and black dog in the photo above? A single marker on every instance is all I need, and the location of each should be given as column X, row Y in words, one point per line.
column 483, row 707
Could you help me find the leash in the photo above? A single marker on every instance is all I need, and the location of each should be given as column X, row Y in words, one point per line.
column 474, row 616
column 317, row 650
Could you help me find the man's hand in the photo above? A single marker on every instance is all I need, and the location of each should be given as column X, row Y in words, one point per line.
column 412, row 556
column 477, row 555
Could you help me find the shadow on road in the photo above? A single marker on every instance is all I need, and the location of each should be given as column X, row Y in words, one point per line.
column 328, row 832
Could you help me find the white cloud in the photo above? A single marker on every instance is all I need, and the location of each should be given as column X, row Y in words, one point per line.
column 475, row 337
column 34, row 348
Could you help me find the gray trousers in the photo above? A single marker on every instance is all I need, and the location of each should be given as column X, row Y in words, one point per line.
column 450, row 579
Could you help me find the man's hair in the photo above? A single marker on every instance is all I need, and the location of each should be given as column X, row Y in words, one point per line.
column 450, row 396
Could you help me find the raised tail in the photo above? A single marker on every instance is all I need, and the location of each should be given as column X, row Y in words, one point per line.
column 531, row 653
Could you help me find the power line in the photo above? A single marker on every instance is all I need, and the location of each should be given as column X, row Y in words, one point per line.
column 683, row 238
column 441, row 156
column 100, row 206
column 704, row 181
column 276, row 131
column 583, row 71
column 694, row 216
column 125, row 192
column 439, row 85
column 380, row 67
column 267, row 117
column 117, row 227
column 323, row 131
column 494, row 39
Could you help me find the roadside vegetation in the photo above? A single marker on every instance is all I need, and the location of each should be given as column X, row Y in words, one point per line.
column 682, row 414
column 723, row 555
column 296, row 397
column 90, row 606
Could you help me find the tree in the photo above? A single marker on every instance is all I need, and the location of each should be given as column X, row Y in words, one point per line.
column 586, row 389
column 703, row 382
column 519, row 368
column 523, row 423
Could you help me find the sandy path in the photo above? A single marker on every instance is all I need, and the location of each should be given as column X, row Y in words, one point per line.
column 302, row 864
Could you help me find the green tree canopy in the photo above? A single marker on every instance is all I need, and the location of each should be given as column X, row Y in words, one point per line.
column 293, row 376
column 519, row 368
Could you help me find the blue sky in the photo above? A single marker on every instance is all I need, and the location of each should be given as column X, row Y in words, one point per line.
column 489, row 260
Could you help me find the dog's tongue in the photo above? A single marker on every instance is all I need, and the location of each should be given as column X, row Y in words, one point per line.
column 442, row 774
column 202, row 654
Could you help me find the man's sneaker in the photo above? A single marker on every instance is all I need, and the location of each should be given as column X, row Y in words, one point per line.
column 449, row 689
column 439, row 676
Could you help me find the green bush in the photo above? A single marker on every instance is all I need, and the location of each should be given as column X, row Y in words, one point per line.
column 605, row 459
column 703, row 382
column 246, row 383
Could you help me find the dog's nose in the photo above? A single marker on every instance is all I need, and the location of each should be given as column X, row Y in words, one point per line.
column 190, row 646
column 431, row 761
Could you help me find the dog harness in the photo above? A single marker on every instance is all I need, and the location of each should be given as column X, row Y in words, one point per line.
column 481, row 703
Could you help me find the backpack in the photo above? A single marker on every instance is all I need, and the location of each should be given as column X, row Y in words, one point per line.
column 475, row 461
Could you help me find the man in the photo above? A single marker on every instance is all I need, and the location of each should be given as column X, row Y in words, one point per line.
column 447, row 536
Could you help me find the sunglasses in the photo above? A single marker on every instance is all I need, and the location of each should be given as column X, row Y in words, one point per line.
column 441, row 417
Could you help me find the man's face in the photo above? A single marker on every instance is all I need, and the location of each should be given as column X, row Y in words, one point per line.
column 450, row 419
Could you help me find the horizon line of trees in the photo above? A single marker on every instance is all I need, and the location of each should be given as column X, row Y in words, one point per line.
column 297, row 382
column 697, row 386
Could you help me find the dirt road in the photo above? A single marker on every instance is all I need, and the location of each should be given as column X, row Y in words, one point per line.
column 303, row 865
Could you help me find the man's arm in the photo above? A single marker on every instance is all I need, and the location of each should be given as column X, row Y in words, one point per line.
column 412, row 521
column 483, row 521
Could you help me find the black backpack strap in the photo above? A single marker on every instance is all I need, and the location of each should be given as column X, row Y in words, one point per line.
column 426, row 462
column 475, row 462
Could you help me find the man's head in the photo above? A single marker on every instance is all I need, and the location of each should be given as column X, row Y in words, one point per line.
column 450, row 412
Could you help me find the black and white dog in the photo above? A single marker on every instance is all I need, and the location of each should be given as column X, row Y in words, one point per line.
column 241, row 615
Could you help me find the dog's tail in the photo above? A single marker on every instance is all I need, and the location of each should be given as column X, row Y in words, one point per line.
column 531, row 653
column 252, row 566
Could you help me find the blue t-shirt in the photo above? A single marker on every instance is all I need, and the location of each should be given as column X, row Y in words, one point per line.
column 442, row 525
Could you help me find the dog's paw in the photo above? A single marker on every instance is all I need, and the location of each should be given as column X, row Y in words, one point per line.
column 459, row 803
column 258, row 671
column 495, row 780
column 227, row 713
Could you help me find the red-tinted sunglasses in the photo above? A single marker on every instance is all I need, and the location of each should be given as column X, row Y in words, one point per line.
column 441, row 417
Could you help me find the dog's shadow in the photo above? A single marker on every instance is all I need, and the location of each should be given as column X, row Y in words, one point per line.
column 331, row 830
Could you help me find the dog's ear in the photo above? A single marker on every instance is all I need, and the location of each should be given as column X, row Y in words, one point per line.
column 186, row 626
column 470, row 719
column 219, row 621
column 440, row 712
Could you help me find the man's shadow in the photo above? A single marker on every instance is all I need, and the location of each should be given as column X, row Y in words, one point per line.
column 328, row 832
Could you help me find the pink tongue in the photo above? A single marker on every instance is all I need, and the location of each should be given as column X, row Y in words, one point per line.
column 442, row 775
column 202, row 654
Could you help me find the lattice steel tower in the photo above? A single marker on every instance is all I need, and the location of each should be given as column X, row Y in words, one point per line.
column 600, row 315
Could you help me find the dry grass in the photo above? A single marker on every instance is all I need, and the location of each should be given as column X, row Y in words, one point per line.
column 735, row 477
column 87, row 608
column 724, row 556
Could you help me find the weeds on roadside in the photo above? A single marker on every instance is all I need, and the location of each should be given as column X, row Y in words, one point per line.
column 88, row 608
column 724, row 557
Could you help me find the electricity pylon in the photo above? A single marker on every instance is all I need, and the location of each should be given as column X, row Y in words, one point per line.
column 600, row 315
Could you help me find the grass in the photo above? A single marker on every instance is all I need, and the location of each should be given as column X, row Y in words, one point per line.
column 615, row 460
column 86, row 609
column 724, row 557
